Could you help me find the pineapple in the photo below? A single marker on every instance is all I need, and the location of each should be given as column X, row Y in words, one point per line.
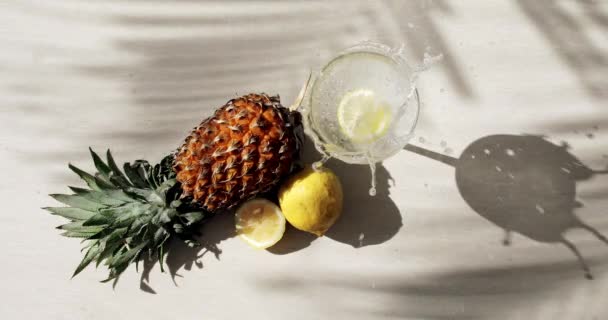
column 244, row 149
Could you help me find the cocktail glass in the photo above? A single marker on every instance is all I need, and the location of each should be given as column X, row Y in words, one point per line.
column 368, row 68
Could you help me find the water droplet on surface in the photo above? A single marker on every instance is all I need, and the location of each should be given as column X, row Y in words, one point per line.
column 510, row 152
column 499, row 169
column 472, row 156
column 448, row 150
column 540, row 209
column 421, row 140
column 443, row 143
column 487, row 151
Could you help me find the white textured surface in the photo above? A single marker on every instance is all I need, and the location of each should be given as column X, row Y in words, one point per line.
column 136, row 75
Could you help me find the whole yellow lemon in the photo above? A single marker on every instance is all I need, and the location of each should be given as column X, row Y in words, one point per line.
column 311, row 200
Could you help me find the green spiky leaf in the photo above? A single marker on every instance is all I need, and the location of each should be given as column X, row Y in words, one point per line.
column 71, row 213
column 78, row 234
column 136, row 179
column 108, row 197
column 193, row 217
column 77, row 201
column 79, row 226
column 102, row 168
column 122, row 215
column 98, row 219
column 88, row 257
column 87, row 177
column 116, row 175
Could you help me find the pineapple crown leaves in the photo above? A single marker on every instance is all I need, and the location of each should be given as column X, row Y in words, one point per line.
column 123, row 215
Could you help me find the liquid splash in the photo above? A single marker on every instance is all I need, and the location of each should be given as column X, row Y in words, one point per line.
column 427, row 62
column 317, row 165
column 397, row 53
column 372, row 167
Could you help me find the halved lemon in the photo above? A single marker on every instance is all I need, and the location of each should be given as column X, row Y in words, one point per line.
column 363, row 117
column 260, row 223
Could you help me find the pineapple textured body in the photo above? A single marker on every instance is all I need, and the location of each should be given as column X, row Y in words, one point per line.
column 245, row 148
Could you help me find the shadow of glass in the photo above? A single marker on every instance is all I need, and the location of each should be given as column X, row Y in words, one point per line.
column 522, row 184
column 365, row 220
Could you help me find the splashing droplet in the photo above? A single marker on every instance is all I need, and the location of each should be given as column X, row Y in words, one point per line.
column 487, row 151
column 400, row 51
column 499, row 169
column 372, row 191
column 510, row 152
column 372, row 167
column 429, row 60
column 318, row 164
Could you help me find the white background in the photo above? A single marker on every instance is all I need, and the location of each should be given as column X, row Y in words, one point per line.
column 137, row 75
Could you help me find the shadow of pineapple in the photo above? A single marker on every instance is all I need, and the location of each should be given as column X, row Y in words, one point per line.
column 522, row 184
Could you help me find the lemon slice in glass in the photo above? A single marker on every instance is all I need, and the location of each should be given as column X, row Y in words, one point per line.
column 260, row 223
column 362, row 117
